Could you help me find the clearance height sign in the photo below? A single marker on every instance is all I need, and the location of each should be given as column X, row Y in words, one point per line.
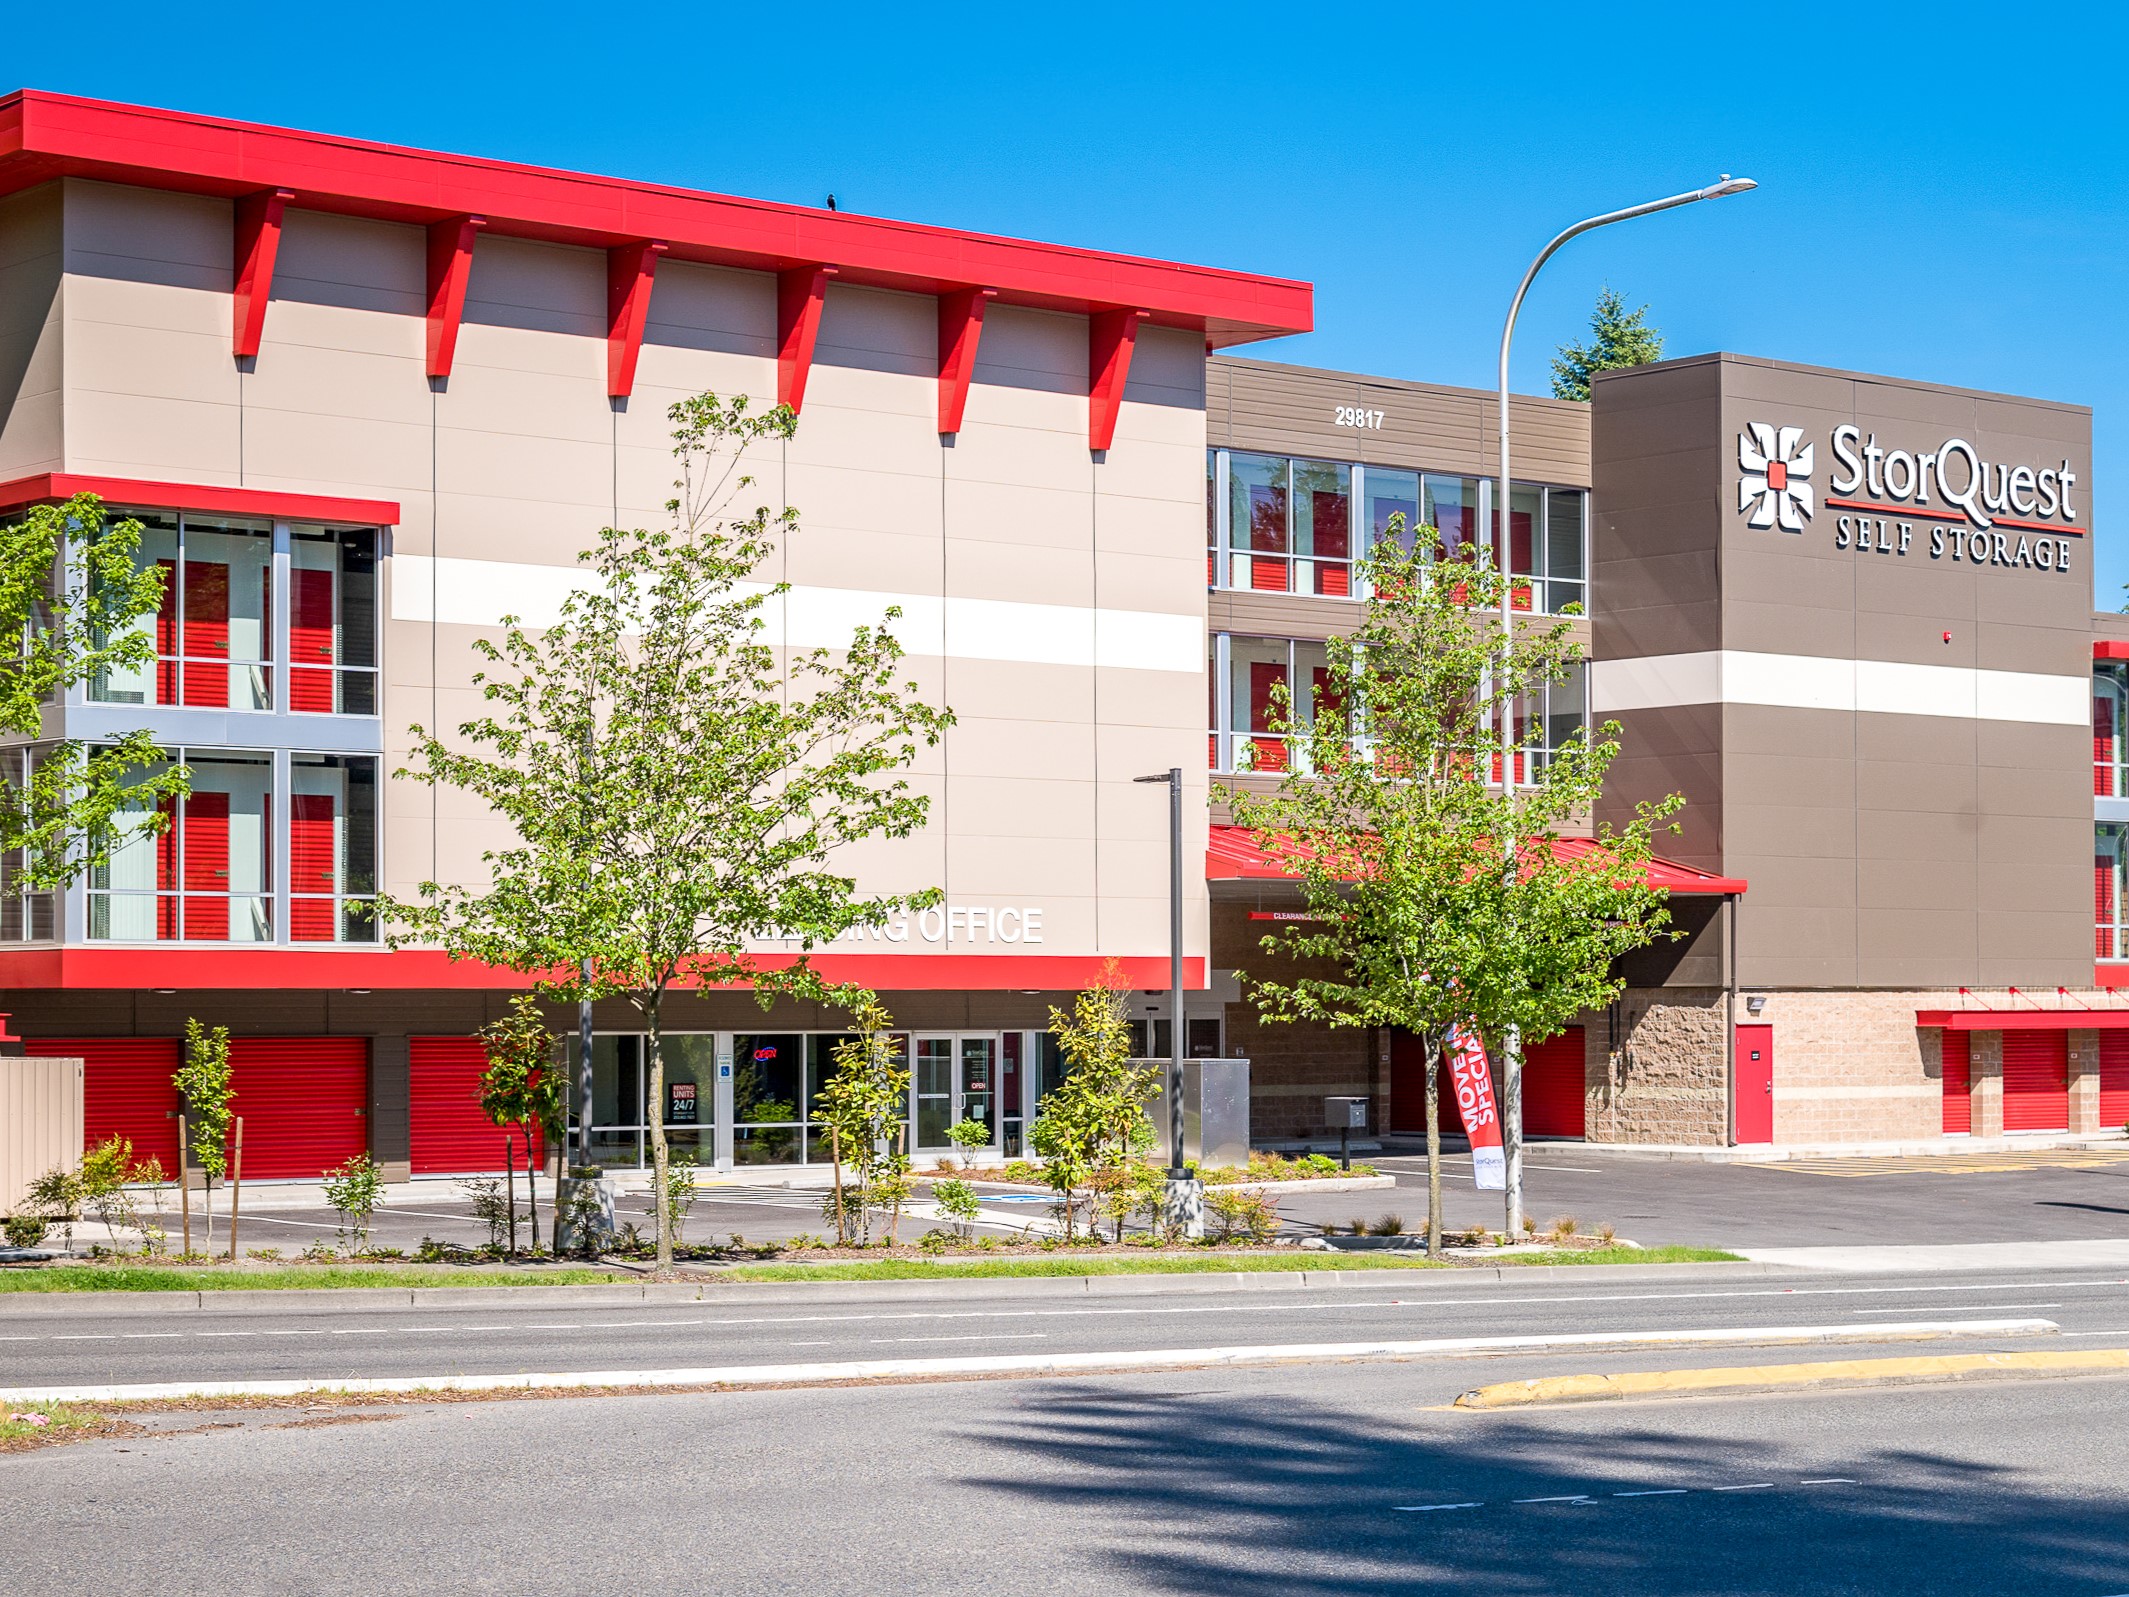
column 1949, row 503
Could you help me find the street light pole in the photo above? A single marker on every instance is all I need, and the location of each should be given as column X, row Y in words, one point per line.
column 1511, row 1043
column 1183, row 1208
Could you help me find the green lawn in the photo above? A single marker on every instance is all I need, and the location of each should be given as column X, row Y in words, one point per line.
column 153, row 1278
column 57, row 1417
column 1188, row 1264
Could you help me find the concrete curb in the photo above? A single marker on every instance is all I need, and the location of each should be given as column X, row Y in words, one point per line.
column 738, row 1294
column 1790, row 1377
column 744, row 1375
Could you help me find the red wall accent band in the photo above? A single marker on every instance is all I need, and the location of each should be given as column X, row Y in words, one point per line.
column 258, row 241
column 960, row 330
column 304, row 969
column 630, row 271
column 1111, row 337
column 56, row 486
column 46, row 136
column 2111, row 649
column 1905, row 512
column 2024, row 1019
column 801, row 295
column 450, row 269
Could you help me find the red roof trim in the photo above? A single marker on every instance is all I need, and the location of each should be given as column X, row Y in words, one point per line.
column 57, row 485
column 45, row 136
column 2024, row 1019
column 2111, row 649
column 1232, row 855
column 304, row 969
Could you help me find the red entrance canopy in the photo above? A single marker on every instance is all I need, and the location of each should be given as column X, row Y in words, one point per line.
column 2024, row 1019
column 1232, row 855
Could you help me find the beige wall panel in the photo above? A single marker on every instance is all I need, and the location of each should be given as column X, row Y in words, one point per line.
column 1161, row 577
column 2022, row 803
column 698, row 310
column 1168, row 378
column 149, row 236
column 827, row 556
column 32, row 321
column 1034, row 350
column 540, row 288
column 1000, row 869
column 1047, row 696
column 1053, row 800
column 1919, row 839
column 1168, row 705
column 1019, row 515
column 1022, row 746
column 978, row 567
column 1904, row 787
column 352, row 264
column 1164, row 472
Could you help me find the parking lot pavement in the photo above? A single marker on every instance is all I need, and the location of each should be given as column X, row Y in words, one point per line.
column 2046, row 1194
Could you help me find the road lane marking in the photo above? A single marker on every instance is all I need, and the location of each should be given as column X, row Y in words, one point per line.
column 1430, row 1508
column 1575, row 1497
column 984, row 1336
column 1657, row 1491
column 1829, row 1480
column 1954, row 1308
column 1752, row 1486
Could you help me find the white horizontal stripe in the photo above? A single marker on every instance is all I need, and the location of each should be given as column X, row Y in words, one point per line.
column 1810, row 682
column 480, row 593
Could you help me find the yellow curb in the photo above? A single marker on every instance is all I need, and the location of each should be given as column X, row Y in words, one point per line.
column 1776, row 1377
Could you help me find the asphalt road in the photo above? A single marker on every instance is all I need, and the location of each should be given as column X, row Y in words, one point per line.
column 1298, row 1481
column 544, row 1331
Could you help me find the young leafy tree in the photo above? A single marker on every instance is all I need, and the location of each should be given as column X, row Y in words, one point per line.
column 1090, row 1121
column 81, row 607
column 1391, row 821
column 203, row 1082
column 678, row 786
column 521, row 1088
column 1618, row 338
column 865, row 1106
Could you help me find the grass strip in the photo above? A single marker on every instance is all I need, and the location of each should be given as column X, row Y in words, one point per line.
column 1190, row 1264
column 153, row 1278
column 19, row 1429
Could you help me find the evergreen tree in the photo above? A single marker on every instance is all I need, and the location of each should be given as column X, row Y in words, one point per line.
column 1618, row 338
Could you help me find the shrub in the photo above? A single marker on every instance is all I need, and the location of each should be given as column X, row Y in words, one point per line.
column 1244, row 1216
column 957, row 1201
column 680, row 1193
column 1607, row 1235
column 24, row 1230
column 490, row 1207
column 1564, row 1228
column 1358, row 1228
column 1390, row 1225
column 102, row 1177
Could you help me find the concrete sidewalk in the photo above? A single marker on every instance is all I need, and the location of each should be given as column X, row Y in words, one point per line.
column 2109, row 1253
column 1400, row 1147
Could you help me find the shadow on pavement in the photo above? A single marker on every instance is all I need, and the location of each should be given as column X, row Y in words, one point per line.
column 1222, row 1493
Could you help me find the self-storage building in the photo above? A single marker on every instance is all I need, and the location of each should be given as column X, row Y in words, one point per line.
column 367, row 400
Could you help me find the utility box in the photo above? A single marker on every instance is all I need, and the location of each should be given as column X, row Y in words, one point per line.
column 1215, row 1112
column 41, row 1122
column 1345, row 1114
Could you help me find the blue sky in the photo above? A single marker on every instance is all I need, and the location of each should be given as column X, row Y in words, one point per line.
column 1943, row 197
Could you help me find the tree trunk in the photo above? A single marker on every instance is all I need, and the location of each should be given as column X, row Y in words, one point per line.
column 835, row 1154
column 532, row 1190
column 510, row 1180
column 1512, row 1127
column 207, row 1201
column 656, row 1115
column 1434, row 1146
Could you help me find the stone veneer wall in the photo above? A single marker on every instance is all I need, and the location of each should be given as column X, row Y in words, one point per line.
column 1294, row 1067
column 1665, row 1082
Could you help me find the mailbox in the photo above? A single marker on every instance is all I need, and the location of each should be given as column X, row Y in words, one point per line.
column 1345, row 1114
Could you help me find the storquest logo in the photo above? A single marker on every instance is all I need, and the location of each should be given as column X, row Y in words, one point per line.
column 1776, row 485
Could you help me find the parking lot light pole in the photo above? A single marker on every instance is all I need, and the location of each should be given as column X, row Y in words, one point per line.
column 1511, row 1044
column 1183, row 1208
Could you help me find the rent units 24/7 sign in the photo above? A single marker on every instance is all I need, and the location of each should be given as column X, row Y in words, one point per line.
column 1948, row 502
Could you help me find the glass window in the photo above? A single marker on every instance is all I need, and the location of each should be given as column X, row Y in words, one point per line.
column 1450, row 507
column 1563, row 548
column 1391, row 494
column 332, row 848
column 2110, row 693
column 2107, row 913
column 768, row 1082
column 24, row 916
column 207, row 876
column 1323, row 528
column 332, row 620
column 1257, row 668
column 1257, row 523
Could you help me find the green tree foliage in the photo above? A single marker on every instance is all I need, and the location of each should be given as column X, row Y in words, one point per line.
column 521, row 1089
column 1091, row 1122
column 203, row 1082
column 72, row 592
column 863, row 1109
column 679, row 788
column 1422, row 916
column 1618, row 338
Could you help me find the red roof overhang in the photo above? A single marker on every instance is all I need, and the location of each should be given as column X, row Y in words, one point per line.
column 2024, row 1019
column 131, row 493
column 46, row 136
column 1231, row 855
column 2110, row 649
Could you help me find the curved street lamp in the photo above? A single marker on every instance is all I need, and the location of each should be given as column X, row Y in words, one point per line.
column 1511, row 1044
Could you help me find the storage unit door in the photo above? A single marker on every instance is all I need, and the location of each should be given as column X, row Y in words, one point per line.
column 127, row 1090
column 1958, row 1083
column 2113, row 1080
column 449, row 1134
column 1408, row 1084
column 1554, row 1095
column 2036, row 1081
column 303, row 1100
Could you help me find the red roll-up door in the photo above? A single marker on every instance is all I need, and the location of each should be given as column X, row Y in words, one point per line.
column 1958, row 1083
column 2036, row 1081
column 1554, row 1095
column 127, row 1090
column 2113, row 1080
column 303, row 1100
column 311, row 851
column 450, row 1134
column 1408, row 1084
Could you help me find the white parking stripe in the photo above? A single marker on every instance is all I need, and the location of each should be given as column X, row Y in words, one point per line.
column 1429, row 1508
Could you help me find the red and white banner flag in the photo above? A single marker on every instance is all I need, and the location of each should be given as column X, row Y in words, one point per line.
column 1473, row 1086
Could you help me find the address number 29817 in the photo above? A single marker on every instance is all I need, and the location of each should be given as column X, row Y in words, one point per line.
column 1354, row 416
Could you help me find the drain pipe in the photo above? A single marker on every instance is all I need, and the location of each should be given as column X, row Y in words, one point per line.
column 1729, row 1024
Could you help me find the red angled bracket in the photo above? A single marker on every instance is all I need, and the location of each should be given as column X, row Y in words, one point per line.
column 629, row 271
column 801, row 293
column 960, row 328
column 450, row 269
column 1111, row 336
column 258, row 241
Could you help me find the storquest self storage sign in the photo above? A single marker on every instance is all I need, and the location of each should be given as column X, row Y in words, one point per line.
column 1948, row 503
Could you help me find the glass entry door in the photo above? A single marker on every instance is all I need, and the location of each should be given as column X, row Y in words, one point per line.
column 955, row 1078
